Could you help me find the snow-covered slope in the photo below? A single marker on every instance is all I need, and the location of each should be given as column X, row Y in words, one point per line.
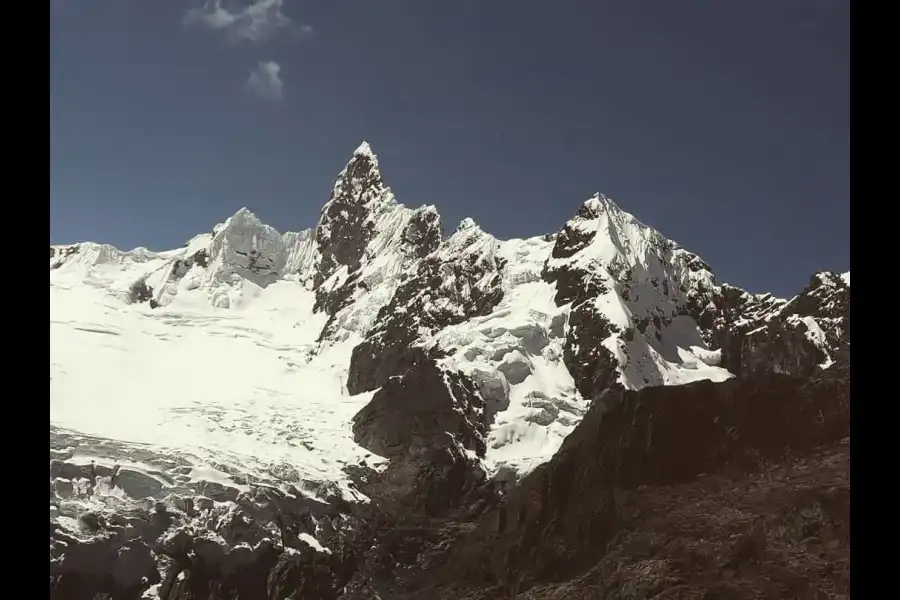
column 630, row 287
column 233, row 389
column 250, row 352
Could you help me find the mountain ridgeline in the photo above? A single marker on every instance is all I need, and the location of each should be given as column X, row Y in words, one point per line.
column 638, row 307
column 675, row 379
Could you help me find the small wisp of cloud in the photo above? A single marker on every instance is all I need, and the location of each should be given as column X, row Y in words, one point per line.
column 257, row 21
column 265, row 81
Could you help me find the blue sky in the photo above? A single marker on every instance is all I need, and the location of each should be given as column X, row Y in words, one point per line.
column 725, row 125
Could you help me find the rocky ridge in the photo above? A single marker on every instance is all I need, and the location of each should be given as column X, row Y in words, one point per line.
column 628, row 309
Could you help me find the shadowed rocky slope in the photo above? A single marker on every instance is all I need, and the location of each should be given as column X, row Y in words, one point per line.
column 650, row 448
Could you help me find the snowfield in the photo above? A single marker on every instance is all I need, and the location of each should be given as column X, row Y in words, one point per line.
column 232, row 388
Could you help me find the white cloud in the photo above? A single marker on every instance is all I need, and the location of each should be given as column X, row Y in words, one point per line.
column 253, row 21
column 265, row 81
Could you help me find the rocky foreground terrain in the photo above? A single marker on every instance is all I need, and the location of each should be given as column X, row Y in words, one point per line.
column 703, row 431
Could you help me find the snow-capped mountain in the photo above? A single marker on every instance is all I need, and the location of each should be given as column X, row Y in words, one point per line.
column 539, row 325
column 267, row 359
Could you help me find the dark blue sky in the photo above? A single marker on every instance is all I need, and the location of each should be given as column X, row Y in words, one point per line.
column 725, row 125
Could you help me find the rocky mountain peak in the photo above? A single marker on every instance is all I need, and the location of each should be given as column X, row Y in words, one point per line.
column 347, row 221
column 360, row 180
column 366, row 242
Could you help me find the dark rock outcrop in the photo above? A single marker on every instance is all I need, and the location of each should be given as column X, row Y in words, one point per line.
column 424, row 420
column 605, row 260
column 560, row 521
column 809, row 333
column 420, row 237
column 783, row 532
column 104, row 565
column 593, row 367
column 426, row 407
column 140, row 292
column 423, row 232
column 346, row 227
column 182, row 266
column 762, row 334
column 423, row 500
column 204, row 549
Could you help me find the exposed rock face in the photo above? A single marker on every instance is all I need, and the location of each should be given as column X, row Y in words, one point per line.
column 140, row 292
column 346, row 228
column 426, row 407
column 691, row 488
column 559, row 522
column 640, row 310
column 760, row 334
column 353, row 299
column 265, row 572
column 424, row 420
column 423, row 232
column 182, row 265
column 780, row 533
column 101, row 565
column 809, row 333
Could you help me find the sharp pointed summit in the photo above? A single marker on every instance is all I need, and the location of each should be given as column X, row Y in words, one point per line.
column 360, row 181
column 363, row 164
column 345, row 226
column 364, row 149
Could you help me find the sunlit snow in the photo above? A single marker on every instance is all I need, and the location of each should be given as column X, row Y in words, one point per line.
column 223, row 386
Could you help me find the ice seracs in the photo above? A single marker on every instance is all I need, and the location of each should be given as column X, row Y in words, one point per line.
column 299, row 251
